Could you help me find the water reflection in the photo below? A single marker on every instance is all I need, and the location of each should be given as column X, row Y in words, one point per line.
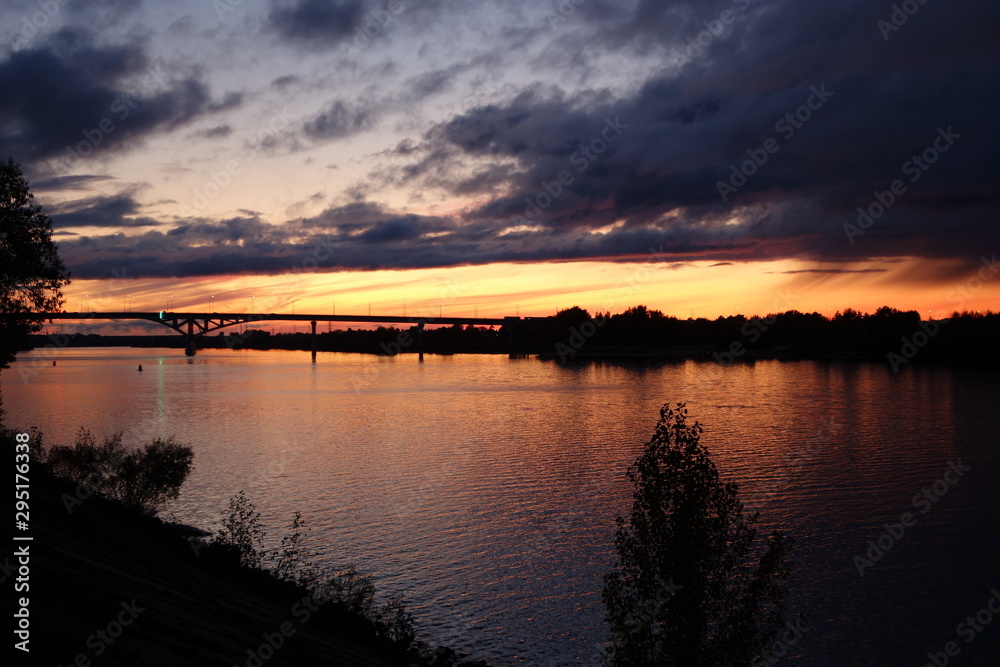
column 484, row 488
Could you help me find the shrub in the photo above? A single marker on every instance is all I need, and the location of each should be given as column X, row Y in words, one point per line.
column 241, row 540
column 241, row 531
column 142, row 479
column 289, row 566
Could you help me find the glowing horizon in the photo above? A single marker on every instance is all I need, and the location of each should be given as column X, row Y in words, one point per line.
column 695, row 289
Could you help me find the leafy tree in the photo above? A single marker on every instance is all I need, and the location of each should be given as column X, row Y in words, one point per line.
column 31, row 273
column 151, row 476
column 688, row 588
column 141, row 479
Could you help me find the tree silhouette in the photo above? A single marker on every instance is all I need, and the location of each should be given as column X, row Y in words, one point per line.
column 688, row 589
column 31, row 273
column 143, row 479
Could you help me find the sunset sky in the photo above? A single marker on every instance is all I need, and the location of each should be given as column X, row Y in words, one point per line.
column 703, row 158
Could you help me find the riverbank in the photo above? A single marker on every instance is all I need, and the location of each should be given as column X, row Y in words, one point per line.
column 111, row 588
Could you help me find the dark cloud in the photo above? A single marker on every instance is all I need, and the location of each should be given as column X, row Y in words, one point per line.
column 362, row 236
column 654, row 105
column 78, row 98
column 76, row 182
column 432, row 83
column 104, row 211
column 834, row 271
column 218, row 131
column 340, row 119
column 283, row 82
column 315, row 21
column 876, row 104
column 105, row 9
column 232, row 100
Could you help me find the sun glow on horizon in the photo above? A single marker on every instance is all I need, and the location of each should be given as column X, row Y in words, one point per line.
column 690, row 289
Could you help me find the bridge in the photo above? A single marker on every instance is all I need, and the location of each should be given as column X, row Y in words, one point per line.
column 192, row 325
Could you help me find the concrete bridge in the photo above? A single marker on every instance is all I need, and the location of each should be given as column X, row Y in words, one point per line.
column 192, row 325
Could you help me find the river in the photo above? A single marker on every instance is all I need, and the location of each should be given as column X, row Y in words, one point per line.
column 484, row 489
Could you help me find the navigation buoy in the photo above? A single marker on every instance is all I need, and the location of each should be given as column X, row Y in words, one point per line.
column 140, row 367
column 53, row 363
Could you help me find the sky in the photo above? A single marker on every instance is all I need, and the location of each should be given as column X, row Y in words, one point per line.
column 702, row 158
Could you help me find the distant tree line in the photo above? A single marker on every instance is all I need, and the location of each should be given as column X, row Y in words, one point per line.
column 966, row 337
column 888, row 334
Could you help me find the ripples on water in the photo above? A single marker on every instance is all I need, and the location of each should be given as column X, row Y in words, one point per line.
column 484, row 489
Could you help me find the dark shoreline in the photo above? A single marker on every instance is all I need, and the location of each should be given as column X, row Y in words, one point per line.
column 611, row 353
column 896, row 337
column 100, row 563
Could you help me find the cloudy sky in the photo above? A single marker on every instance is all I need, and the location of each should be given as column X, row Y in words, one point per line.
column 698, row 157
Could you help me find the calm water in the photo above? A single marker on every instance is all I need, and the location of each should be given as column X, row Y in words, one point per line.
column 484, row 489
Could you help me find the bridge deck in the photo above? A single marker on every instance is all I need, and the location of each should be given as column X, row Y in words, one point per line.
column 251, row 317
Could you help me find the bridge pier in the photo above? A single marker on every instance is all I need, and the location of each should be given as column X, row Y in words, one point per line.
column 190, row 351
column 420, row 341
column 314, row 341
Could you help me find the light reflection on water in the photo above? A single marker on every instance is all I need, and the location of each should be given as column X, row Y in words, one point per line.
column 484, row 489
